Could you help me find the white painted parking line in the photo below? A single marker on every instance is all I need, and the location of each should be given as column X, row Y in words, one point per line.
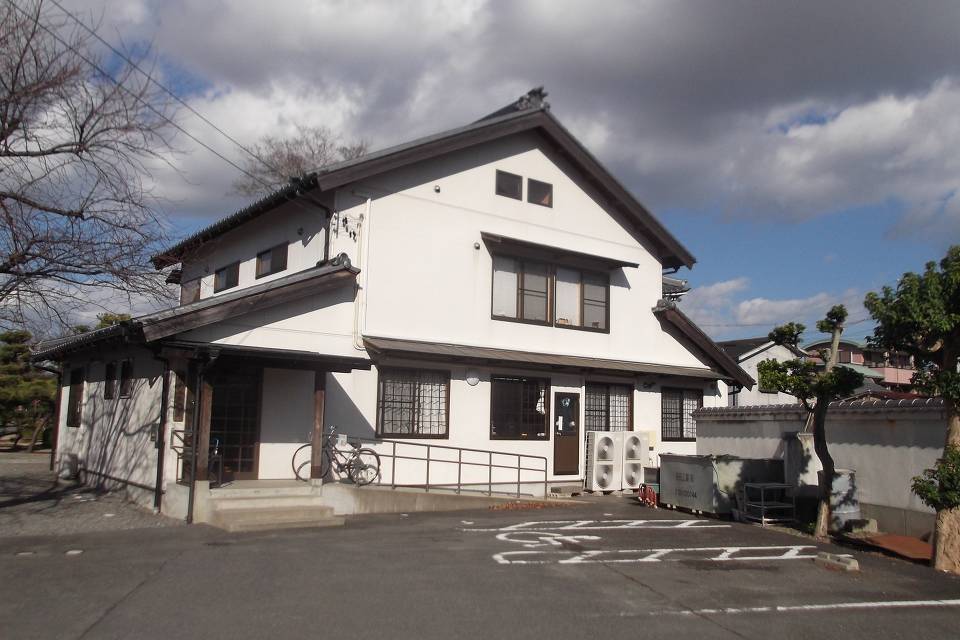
column 596, row 525
column 832, row 606
column 632, row 556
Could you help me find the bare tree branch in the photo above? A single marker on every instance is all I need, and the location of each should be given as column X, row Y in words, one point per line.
column 76, row 144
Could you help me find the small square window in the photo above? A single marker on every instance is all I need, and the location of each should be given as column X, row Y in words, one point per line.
column 272, row 260
column 509, row 185
column 540, row 192
column 226, row 277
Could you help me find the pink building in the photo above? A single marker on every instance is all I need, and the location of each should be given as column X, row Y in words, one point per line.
column 896, row 368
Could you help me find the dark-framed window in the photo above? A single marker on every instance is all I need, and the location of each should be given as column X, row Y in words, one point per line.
column 226, row 277
column 542, row 293
column 676, row 413
column 539, row 192
column 609, row 407
column 519, row 408
column 273, row 260
column 413, row 403
column 509, row 185
column 110, row 381
column 75, row 401
column 521, row 290
column 126, row 378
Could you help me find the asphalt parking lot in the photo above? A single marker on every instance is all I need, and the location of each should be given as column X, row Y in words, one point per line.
column 607, row 568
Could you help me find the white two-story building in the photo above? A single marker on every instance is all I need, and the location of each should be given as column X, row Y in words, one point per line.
column 490, row 288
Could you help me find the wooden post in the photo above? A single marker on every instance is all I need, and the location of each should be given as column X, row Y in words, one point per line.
column 203, row 433
column 316, row 439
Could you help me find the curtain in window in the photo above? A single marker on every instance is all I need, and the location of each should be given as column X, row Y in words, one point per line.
column 568, row 297
column 504, row 287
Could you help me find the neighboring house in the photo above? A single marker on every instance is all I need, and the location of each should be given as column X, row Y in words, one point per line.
column 489, row 287
column 748, row 353
column 892, row 371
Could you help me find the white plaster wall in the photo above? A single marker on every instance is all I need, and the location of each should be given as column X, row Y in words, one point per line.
column 115, row 441
column 755, row 397
column 885, row 449
column 320, row 323
column 351, row 406
column 286, row 419
column 423, row 278
column 244, row 243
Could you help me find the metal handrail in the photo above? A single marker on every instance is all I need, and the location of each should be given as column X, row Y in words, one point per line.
column 460, row 462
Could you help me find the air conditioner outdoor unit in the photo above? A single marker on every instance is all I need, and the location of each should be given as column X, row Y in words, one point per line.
column 604, row 461
column 636, row 456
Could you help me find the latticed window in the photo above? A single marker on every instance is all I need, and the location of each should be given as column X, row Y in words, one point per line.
column 609, row 407
column 413, row 403
column 676, row 413
column 519, row 408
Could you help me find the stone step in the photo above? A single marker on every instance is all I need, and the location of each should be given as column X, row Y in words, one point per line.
column 296, row 501
column 268, row 518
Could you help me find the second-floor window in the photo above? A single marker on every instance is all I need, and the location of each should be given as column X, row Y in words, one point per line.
column 227, row 277
column 273, row 260
column 126, row 378
column 541, row 293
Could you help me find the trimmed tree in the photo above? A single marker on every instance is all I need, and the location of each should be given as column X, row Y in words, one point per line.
column 27, row 394
column 816, row 386
column 922, row 318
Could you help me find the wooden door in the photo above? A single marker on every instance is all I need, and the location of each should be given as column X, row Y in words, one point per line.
column 235, row 422
column 566, row 434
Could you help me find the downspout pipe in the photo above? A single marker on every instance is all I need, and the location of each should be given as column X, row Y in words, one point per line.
column 162, row 431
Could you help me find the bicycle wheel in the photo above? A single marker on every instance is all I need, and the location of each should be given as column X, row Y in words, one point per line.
column 325, row 464
column 364, row 467
column 301, row 463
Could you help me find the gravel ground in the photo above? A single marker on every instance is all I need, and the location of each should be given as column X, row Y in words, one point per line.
column 34, row 503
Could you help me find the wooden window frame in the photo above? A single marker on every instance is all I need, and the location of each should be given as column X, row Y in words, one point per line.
column 546, row 407
column 606, row 393
column 125, row 388
column 110, row 380
column 551, row 320
column 496, row 185
column 681, row 391
column 521, row 262
column 530, row 183
column 217, row 286
column 411, row 436
column 272, row 251
column 77, row 382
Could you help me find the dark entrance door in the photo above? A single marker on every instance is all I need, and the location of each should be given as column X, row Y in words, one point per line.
column 235, row 422
column 566, row 434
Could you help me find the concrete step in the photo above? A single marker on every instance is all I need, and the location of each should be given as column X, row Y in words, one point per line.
column 305, row 501
column 281, row 489
column 267, row 518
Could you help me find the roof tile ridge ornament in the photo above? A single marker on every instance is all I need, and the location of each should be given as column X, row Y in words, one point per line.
column 533, row 99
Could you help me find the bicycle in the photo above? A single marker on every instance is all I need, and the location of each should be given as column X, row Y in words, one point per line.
column 361, row 465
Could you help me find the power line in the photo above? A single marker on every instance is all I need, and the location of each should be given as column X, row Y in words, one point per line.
column 766, row 324
column 173, row 95
column 139, row 99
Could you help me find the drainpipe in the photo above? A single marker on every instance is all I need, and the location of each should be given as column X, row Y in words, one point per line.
column 363, row 242
column 162, row 431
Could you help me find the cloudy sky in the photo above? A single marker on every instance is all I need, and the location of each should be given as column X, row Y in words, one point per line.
column 806, row 152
